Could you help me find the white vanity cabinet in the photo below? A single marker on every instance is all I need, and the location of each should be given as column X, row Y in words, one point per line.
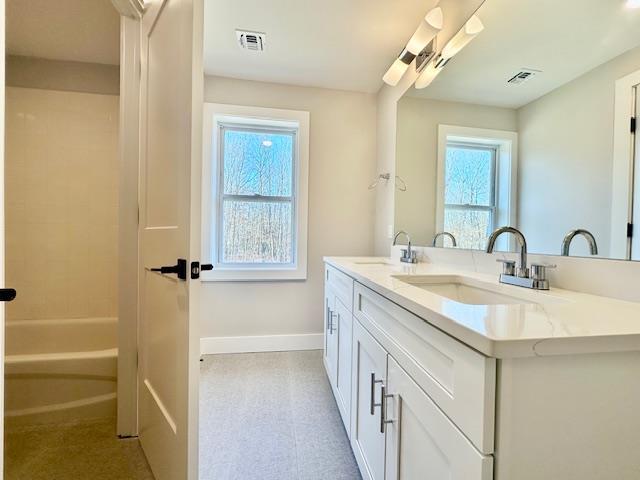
column 338, row 339
column 421, row 403
column 426, row 404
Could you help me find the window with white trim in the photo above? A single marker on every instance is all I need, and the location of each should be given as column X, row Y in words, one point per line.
column 255, row 199
column 470, row 193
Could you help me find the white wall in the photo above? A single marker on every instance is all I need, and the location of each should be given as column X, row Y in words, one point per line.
column 417, row 155
column 566, row 152
column 341, row 209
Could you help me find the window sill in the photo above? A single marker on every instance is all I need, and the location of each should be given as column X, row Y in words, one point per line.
column 219, row 274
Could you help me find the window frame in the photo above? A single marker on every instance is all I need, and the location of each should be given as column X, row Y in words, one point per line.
column 505, row 176
column 217, row 118
column 471, row 207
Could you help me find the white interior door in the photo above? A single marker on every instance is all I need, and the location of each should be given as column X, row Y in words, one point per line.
column 170, row 143
column 635, row 239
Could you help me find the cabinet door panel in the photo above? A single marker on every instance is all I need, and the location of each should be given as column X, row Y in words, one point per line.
column 344, row 321
column 330, row 337
column 460, row 380
column 422, row 443
column 367, row 442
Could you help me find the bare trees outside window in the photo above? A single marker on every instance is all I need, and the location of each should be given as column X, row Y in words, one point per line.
column 470, row 198
column 257, row 196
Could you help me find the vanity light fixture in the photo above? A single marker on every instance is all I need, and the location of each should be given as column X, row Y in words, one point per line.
column 398, row 68
column 460, row 40
column 429, row 74
column 428, row 29
column 467, row 33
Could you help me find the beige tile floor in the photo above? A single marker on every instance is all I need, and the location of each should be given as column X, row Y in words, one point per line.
column 271, row 416
column 77, row 451
column 264, row 416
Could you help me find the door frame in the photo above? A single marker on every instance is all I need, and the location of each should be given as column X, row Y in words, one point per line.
column 131, row 12
column 635, row 178
column 622, row 178
column 2, row 228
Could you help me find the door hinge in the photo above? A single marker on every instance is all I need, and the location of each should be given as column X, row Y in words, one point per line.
column 196, row 268
column 633, row 124
column 629, row 230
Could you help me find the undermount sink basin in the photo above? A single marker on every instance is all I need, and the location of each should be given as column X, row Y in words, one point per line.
column 463, row 290
column 372, row 262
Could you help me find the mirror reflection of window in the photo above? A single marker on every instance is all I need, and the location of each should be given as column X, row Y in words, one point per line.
column 470, row 193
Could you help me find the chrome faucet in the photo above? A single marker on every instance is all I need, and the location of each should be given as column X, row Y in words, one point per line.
column 408, row 255
column 444, row 234
column 520, row 276
column 568, row 238
column 523, row 271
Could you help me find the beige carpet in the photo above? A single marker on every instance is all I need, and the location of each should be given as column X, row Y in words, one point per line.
column 76, row 451
column 271, row 416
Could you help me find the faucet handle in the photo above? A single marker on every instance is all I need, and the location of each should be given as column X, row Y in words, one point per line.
column 508, row 266
column 539, row 270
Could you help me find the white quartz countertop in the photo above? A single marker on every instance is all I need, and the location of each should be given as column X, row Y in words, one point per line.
column 553, row 322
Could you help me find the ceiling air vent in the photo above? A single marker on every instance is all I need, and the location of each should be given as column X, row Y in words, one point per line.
column 253, row 41
column 523, row 75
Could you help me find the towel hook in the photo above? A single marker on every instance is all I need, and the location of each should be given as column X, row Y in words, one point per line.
column 399, row 182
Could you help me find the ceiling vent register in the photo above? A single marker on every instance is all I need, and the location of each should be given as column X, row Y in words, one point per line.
column 253, row 41
column 522, row 76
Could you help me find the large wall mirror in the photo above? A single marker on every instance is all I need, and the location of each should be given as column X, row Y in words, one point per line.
column 530, row 126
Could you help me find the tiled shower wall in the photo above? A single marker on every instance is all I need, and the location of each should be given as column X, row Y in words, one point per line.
column 61, row 197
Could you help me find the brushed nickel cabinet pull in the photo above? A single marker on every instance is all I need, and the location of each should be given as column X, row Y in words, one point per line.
column 383, row 409
column 373, row 393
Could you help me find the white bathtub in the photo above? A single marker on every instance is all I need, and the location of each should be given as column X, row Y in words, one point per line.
column 60, row 370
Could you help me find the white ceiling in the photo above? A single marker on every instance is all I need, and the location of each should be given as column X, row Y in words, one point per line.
column 341, row 44
column 76, row 30
column 564, row 39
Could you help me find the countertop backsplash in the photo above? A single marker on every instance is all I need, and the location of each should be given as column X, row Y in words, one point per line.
column 610, row 278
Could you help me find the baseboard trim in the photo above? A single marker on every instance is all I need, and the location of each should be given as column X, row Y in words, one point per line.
column 264, row 343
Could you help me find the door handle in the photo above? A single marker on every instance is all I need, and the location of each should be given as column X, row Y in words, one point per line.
column 180, row 269
column 7, row 294
column 196, row 268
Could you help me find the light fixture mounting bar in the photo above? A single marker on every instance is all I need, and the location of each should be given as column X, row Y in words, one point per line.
column 425, row 56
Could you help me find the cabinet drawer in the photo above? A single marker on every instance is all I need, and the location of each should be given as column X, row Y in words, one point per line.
column 341, row 284
column 458, row 379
